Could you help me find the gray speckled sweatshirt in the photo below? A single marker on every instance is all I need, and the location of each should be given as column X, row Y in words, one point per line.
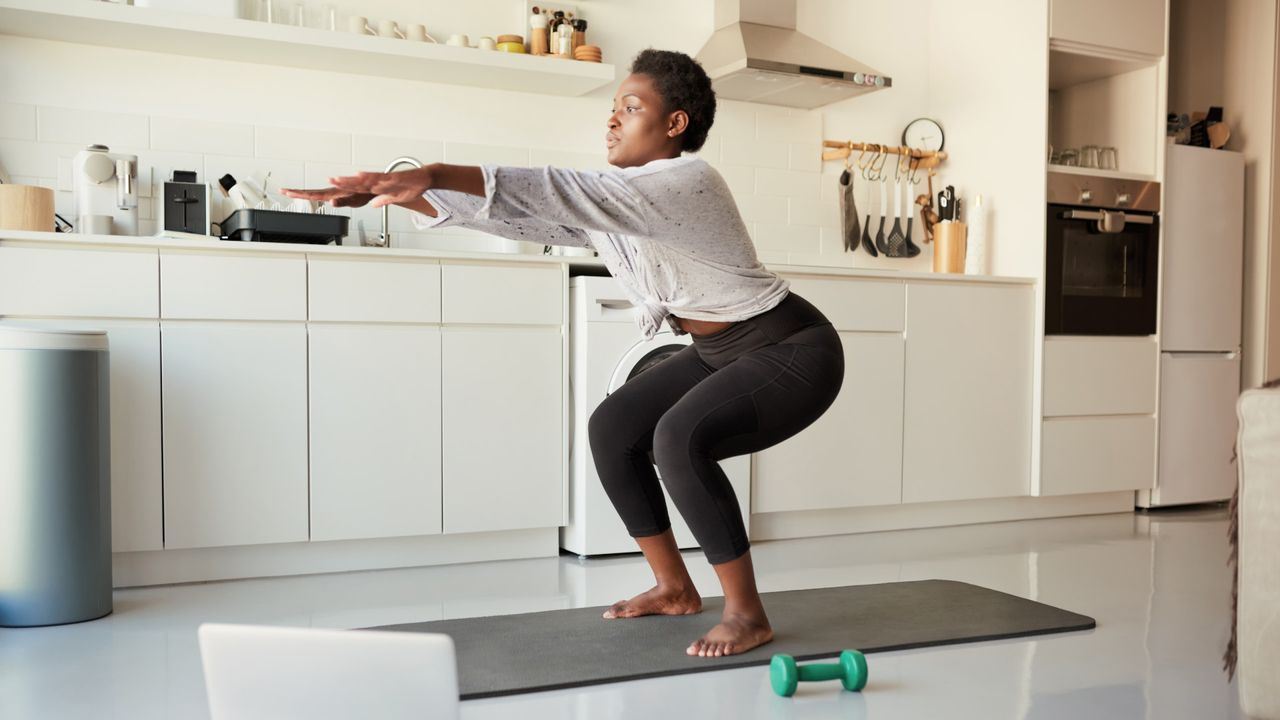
column 668, row 230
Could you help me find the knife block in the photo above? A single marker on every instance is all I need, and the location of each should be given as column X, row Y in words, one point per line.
column 949, row 240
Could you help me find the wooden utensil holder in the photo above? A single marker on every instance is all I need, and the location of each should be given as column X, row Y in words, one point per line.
column 949, row 247
column 26, row 207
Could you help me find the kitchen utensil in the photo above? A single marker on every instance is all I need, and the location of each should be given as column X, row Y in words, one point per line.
column 418, row 32
column 894, row 243
column 389, row 29
column 360, row 25
column 458, row 40
column 1070, row 157
column 511, row 47
column 185, row 206
column 867, row 245
column 486, row 43
column 944, row 204
column 1089, row 156
column 848, row 212
column 912, row 248
column 1107, row 159
column 880, row 239
column 949, row 247
column 252, row 225
column 26, row 207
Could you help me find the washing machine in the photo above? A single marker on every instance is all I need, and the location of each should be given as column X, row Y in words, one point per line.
column 607, row 349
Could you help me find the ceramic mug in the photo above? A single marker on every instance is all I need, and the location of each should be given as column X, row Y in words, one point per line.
column 418, row 32
column 486, row 43
column 459, row 41
column 359, row 25
column 388, row 29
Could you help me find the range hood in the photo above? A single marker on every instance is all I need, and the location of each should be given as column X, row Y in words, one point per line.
column 756, row 55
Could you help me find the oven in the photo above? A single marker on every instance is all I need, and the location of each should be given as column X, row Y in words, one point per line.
column 1101, row 255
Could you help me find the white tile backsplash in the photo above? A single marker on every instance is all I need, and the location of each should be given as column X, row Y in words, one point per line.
column 17, row 122
column 376, row 151
column 755, row 153
column 769, row 157
column 86, row 127
column 201, row 136
column 457, row 153
column 788, row 183
column 299, row 144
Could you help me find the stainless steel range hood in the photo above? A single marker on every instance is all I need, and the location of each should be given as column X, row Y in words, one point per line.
column 756, row 55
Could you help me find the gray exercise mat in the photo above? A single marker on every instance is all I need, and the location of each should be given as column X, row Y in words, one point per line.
column 529, row 652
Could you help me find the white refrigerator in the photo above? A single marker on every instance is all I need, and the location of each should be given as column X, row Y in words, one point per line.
column 1201, row 289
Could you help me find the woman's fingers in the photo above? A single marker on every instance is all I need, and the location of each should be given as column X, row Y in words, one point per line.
column 313, row 194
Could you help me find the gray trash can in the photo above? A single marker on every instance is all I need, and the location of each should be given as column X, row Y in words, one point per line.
column 55, row 477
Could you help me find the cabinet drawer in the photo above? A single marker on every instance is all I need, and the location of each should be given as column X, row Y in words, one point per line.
column 1098, row 454
column 502, row 295
column 1099, row 376
column 373, row 291
column 88, row 283
column 854, row 304
column 232, row 287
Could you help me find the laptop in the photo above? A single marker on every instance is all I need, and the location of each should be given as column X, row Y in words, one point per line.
column 281, row 673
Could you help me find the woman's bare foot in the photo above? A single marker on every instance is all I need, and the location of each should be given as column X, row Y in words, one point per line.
column 657, row 601
column 736, row 633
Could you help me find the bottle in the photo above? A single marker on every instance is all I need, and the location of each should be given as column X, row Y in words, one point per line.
column 975, row 261
column 579, row 35
column 539, row 43
column 556, row 21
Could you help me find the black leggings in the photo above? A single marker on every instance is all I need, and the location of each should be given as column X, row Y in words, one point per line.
column 732, row 392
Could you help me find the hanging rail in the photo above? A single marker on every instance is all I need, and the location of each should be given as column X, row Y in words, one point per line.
column 919, row 158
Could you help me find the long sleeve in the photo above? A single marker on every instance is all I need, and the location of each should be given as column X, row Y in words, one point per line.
column 456, row 209
column 591, row 200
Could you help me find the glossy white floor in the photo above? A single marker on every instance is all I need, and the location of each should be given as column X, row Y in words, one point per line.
column 1157, row 585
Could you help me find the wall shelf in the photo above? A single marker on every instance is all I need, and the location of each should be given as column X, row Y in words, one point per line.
column 1072, row 63
column 163, row 31
column 1096, row 172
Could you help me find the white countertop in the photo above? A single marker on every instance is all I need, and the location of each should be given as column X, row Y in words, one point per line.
column 123, row 241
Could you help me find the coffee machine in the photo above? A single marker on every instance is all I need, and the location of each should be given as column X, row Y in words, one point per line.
column 105, row 186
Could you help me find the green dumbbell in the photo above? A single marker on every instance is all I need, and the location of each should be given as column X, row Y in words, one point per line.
column 851, row 671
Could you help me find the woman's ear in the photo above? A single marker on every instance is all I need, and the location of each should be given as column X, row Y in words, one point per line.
column 677, row 122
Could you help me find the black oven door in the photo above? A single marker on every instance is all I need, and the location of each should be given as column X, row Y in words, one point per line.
column 1100, row 272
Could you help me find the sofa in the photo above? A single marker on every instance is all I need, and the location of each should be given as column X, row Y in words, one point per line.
column 1255, row 651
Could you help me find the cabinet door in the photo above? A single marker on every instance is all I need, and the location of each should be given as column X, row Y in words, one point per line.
column 375, row 431
column 503, row 400
column 134, row 357
column 852, row 455
column 1132, row 25
column 235, row 433
column 967, row 414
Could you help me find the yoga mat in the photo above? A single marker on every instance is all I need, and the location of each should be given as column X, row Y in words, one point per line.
column 529, row 652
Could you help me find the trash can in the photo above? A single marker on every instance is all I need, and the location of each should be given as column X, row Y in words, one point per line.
column 55, row 477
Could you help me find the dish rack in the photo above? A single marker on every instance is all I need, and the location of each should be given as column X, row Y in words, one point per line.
column 255, row 225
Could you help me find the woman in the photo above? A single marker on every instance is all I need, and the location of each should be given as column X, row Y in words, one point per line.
column 763, row 365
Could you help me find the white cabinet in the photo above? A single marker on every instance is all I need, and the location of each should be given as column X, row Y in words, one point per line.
column 852, row 455
column 967, row 407
column 134, row 345
column 375, row 431
column 51, row 282
column 1097, row 454
column 1136, row 26
column 235, row 433
column 1099, row 376
column 503, row 424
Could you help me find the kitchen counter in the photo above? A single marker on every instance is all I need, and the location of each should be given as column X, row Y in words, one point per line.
column 577, row 264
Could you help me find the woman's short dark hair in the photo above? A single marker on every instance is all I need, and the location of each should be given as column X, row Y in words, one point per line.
column 683, row 85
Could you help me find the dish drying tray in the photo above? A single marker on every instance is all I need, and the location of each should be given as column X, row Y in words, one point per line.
column 254, row 225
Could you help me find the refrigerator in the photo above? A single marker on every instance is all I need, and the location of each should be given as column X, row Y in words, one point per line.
column 1201, row 299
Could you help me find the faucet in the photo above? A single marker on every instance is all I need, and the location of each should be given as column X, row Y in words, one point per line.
column 384, row 238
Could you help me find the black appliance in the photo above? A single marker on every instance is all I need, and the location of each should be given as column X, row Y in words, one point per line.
column 1101, row 255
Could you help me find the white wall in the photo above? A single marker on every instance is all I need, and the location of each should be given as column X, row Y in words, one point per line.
column 218, row 117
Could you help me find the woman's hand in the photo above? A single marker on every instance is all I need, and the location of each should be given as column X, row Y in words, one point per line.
column 388, row 188
column 334, row 196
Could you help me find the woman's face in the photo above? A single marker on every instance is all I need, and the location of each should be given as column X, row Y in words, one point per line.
column 640, row 128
